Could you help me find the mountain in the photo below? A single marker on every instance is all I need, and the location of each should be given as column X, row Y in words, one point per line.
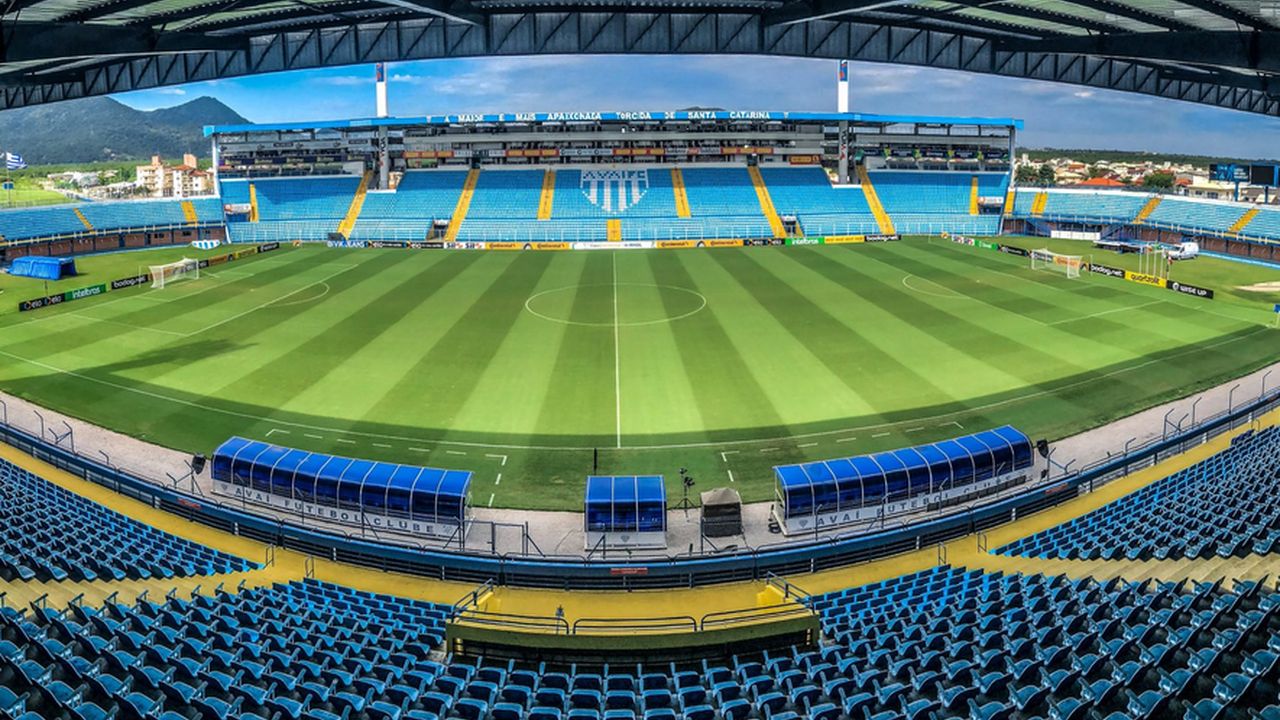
column 100, row 128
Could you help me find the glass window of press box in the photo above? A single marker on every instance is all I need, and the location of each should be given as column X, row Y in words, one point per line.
column 407, row 491
column 831, row 486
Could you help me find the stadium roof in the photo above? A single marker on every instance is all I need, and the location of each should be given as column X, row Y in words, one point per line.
column 672, row 115
column 1216, row 52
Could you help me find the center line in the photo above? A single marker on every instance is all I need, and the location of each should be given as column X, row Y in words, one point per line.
column 617, row 354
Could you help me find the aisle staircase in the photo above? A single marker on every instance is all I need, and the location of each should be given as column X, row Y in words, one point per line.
column 766, row 202
column 464, row 204
column 83, row 220
column 253, row 203
column 546, row 201
column 1009, row 199
column 1244, row 221
column 1145, row 212
column 873, row 201
column 1038, row 205
column 973, row 196
column 613, row 230
column 189, row 213
column 681, row 194
column 348, row 223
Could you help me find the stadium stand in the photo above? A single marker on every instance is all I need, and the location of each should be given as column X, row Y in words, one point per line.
column 49, row 533
column 941, row 642
column 408, row 212
column 1265, row 224
column 62, row 220
column 1227, row 505
column 290, row 208
column 820, row 208
column 1186, row 213
column 1118, row 207
column 933, row 202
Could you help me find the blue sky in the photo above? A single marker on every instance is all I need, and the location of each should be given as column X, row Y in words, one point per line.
column 1056, row 115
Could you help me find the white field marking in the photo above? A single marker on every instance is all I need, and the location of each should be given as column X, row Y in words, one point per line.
column 879, row 434
column 914, row 429
column 256, row 308
column 304, row 301
column 495, row 455
column 806, row 445
column 724, row 454
column 949, row 294
column 953, row 422
column 528, row 305
column 418, row 449
column 1106, row 312
column 730, row 475
column 313, row 436
column 674, row 446
column 499, row 480
column 273, row 431
column 848, row 439
column 131, row 326
column 348, row 442
column 617, row 354
column 381, row 445
column 455, row 452
column 769, row 449
column 491, row 496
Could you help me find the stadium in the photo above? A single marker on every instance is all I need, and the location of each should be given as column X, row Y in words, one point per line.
column 666, row 414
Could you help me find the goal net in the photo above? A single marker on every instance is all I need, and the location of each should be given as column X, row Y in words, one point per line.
column 184, row 269
column 1045, row 259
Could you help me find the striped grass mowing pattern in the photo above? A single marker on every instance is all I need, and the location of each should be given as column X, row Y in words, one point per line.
column 725, row 361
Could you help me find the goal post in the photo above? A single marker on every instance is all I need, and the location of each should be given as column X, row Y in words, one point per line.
column 184, row 269
column 1045, row 259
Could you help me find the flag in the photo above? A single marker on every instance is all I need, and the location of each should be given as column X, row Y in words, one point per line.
column 380, row 73
column 14, row 161
column 844, row 71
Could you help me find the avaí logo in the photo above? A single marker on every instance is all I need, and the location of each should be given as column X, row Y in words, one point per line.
column 614, row 190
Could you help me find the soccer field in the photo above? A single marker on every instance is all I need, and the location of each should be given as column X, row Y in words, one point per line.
column 535, row 368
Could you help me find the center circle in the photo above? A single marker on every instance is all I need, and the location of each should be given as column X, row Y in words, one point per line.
column 595, row 304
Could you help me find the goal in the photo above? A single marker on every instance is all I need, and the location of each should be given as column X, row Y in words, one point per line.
column 184, row 269
column 1045, row 259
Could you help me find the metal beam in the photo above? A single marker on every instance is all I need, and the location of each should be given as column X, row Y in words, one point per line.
column 871, row 37
column 26, row 41
column 459, row 11
column 1229, row 12
column 806, row 10
column 1111, row 7
column 1256, row 51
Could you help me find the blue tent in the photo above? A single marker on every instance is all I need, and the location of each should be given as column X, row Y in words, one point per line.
column 43, row 268
column 627, row 503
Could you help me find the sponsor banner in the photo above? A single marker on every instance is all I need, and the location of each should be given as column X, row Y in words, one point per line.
column 986, row 245
column 468, row 245
column 804, row 241
column 622, row 245
column 804, row 159
column 1012, row 250
column 549, row 246
column 503, row 246
column 757, row 242
column 218, row 260
column 84, row 292
column 670, row 244
column 387, row 244
column 429, row 245
column 843, row 239
column 241, row 254
column 721, row 242
column 37, row 303
column 881, row 238
column 268, row 247
column 346, row 243
column 129, row 282
column 68, row 296
column 1107, row 270
column 1143, row 279
column 1192, row 290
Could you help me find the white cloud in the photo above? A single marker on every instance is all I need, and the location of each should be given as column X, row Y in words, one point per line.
column 344, row 80
column 1083, row 94
column 169, row 91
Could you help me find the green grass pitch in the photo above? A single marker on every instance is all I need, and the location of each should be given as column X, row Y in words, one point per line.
column 535, row 369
